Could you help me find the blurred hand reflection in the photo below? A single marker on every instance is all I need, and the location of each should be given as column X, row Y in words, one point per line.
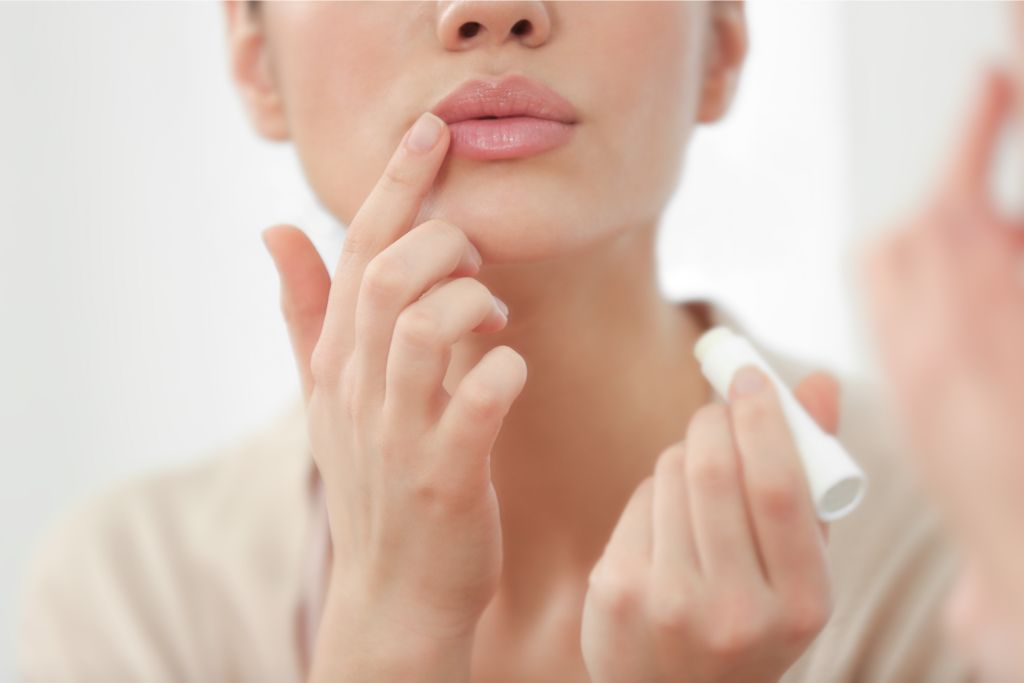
column 946, row 296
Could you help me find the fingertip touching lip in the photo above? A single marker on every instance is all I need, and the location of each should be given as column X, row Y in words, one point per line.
column 511, row 96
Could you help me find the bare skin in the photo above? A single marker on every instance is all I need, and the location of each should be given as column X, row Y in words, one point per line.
column 947, row 301
column 429, row 411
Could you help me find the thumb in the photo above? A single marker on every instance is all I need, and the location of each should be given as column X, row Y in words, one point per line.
column 305, row 285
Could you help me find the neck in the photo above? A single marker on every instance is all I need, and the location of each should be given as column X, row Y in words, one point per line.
column 611, row 382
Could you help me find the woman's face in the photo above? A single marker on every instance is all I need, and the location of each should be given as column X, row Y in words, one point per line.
column 345, row 80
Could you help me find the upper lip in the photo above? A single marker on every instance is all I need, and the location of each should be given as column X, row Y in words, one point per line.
column 512, row 96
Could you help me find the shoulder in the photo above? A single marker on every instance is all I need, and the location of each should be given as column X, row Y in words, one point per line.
column 132, row 583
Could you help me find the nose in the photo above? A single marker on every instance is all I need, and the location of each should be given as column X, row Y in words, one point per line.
column 465, row 24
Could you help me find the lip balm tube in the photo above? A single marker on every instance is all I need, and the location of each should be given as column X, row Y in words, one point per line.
column 837, row 483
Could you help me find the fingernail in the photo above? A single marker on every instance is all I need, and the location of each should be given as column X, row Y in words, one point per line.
column 501, row 306
column 475, row 255
column 425, row 133
column 748, row 380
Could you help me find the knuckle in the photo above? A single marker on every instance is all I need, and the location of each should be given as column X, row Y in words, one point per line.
column 671, row 462
column 754, row 414
column 710, row 472
column 400, row 176
column 731, row 639
column 672, row 614
column 352, row 244
column 348, row 391
column 710, row 464
column 419, row 328
column 426, row 493
column 805, row 618
column 481, row 402
column 739, row 625
column 707, row 420
column 777, row 497
column 433, row 498
column 323, row 366
column 445, row 231
column 476, row 291
column 617, row 591
column 384, row 279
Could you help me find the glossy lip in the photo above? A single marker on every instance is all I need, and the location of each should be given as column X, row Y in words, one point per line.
column 511, row 118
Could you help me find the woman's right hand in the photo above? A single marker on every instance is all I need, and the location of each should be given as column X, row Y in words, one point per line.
column 405, row 466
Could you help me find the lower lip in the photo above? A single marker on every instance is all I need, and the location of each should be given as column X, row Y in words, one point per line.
column 507, row 138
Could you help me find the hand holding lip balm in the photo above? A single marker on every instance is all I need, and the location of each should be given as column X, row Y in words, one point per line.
column 837, row 483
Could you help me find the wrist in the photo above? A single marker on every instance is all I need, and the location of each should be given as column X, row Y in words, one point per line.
column 358, row 641
column 397, row 662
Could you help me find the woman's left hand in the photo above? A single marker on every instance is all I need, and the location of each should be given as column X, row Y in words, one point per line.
column 716, row 570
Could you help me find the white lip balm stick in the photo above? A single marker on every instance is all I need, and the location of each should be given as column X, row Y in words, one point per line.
column 837, row 484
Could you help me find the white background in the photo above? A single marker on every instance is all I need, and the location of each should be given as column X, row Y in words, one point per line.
column 140, row 324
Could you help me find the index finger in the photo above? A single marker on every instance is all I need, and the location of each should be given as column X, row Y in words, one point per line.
column 969, row 173
column 781, row 508
column 385, row 215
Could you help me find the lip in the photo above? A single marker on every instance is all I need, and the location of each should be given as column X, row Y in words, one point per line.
column 511, row 118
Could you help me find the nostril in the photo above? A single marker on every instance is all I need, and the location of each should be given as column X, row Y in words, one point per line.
column 522, row 28
column 469, row 29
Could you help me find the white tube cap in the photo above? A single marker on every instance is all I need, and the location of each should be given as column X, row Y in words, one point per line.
column 836, row 482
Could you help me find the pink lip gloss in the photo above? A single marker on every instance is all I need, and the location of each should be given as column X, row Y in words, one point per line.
column 507, row 138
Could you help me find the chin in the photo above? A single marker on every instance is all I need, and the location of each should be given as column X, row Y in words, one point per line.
column 512, row 231
column 516, row 227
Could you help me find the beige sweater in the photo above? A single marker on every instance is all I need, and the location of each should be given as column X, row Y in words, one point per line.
column 205, row 573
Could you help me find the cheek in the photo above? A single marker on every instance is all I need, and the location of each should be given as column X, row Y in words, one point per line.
column 337, row 79
column 649, row 80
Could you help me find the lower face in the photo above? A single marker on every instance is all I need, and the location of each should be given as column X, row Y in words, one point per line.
column 354, row 77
